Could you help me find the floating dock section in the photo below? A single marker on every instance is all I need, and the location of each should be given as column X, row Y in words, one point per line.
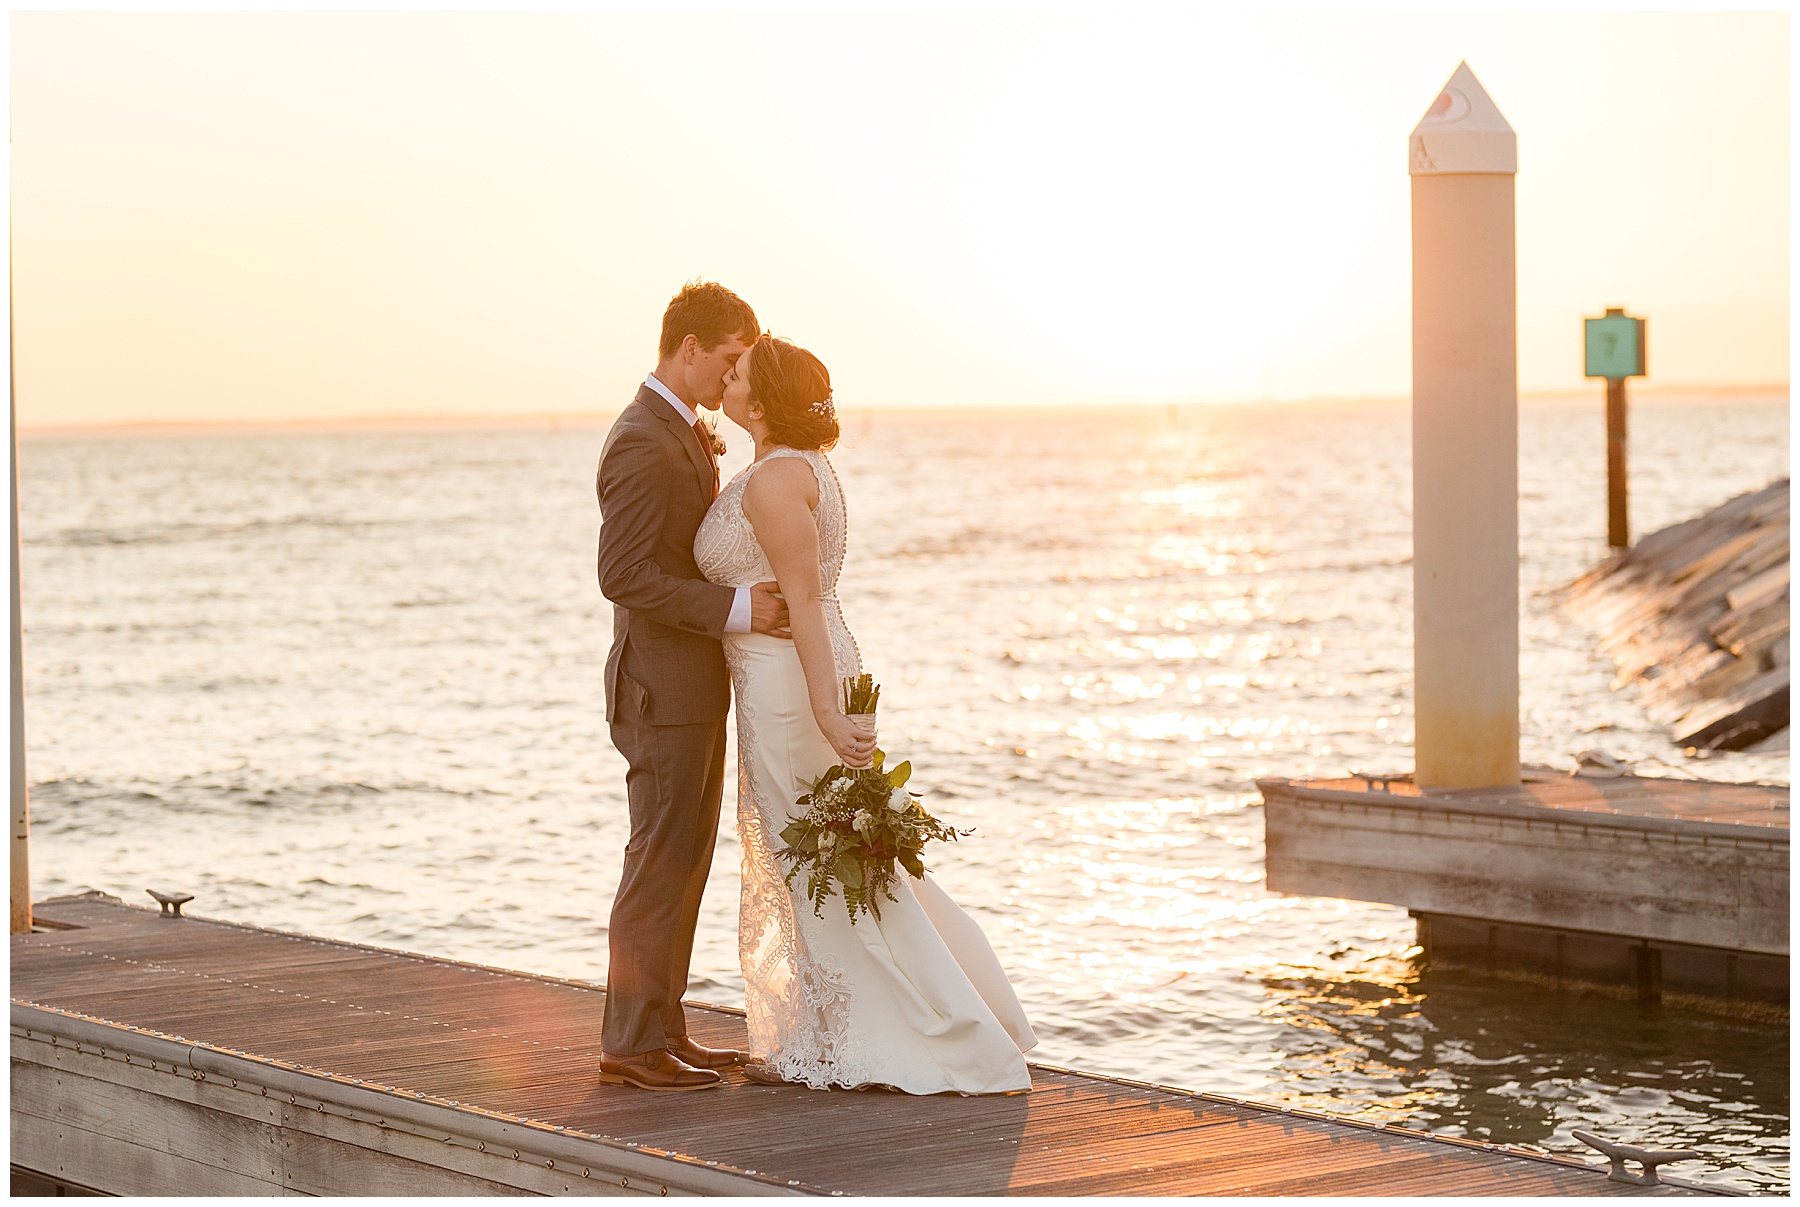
column 1658, row 886
column 181, row 1056
column 1697, row 616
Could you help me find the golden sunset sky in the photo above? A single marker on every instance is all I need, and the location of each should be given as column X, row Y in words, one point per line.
column 258, row 215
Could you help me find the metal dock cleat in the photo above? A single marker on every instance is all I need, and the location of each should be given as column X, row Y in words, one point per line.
column 171, row 902
column 1649, row 1158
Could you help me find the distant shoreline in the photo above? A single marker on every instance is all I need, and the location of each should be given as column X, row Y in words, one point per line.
column 1670, row 395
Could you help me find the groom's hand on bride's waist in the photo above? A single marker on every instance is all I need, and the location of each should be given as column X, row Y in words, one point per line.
column 768, row 611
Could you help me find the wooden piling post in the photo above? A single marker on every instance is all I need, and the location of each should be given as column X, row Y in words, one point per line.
column 1465, row 442
column 1615, row 350
column 21, row 806
column 1618, row 523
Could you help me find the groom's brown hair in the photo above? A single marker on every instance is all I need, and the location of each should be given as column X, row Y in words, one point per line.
column 710, row 313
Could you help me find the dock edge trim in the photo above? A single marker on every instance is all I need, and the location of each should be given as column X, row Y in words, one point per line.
column 387, row 1106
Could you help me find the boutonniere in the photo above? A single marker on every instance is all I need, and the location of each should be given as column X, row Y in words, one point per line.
column 710, row 428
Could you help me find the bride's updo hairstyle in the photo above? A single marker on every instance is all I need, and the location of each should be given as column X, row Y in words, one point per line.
column 794, row 389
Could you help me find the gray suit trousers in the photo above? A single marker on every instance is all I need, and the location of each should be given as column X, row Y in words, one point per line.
column 674, row 780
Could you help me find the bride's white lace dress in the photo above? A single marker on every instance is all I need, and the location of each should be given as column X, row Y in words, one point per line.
column 915, row 999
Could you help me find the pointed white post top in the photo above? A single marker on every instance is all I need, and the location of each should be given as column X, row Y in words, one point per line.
column 1463, row 132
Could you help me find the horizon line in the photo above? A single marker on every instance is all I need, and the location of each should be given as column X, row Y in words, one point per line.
column 582, row 418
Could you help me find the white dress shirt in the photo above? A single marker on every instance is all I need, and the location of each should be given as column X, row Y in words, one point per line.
column 739, row 620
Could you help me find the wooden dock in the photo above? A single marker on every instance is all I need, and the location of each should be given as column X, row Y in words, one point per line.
column 156, row 1055
column 1652, row 884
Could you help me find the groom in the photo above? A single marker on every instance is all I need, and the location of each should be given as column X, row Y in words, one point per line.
column 667, row 688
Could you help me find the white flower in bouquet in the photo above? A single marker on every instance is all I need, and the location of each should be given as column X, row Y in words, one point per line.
column 860, row 823
column 897, row 799
column 827, row 843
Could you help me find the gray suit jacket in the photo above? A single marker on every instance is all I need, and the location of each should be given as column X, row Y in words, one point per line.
column 655, row 484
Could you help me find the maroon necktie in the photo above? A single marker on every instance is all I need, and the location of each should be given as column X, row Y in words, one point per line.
column 711, row 457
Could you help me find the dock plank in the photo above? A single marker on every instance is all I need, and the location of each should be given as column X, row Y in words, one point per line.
column 525, row 1047
column 1758, row 805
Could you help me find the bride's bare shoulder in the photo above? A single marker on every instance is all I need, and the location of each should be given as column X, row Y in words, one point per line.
column 781, row 480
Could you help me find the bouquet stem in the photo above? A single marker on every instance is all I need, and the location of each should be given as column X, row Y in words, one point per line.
column 861, row 695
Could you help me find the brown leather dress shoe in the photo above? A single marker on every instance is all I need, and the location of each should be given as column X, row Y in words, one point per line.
column 706, row 1058
column 658, row 1070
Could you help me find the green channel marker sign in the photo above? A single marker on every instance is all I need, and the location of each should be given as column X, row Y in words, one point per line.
column 1615, row 346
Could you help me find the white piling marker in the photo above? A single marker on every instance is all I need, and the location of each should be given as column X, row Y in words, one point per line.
column 1463, row 157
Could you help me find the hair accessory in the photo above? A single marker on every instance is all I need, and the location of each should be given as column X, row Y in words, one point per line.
column 824, row 408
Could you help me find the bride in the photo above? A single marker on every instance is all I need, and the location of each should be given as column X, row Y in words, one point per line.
column 914, row 999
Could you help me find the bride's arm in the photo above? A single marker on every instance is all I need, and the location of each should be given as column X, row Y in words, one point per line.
column 779, row 502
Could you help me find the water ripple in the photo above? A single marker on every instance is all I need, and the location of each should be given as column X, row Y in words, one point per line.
column 350, row 683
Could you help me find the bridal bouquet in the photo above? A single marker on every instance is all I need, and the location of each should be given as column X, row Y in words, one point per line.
column 858, row 825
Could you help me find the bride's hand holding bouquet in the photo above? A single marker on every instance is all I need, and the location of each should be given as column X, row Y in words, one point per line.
column 848, row 738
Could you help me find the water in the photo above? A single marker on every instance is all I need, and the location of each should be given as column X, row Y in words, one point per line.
column 349, row 683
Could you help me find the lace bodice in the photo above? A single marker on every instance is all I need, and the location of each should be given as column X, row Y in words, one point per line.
column 728, row 553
